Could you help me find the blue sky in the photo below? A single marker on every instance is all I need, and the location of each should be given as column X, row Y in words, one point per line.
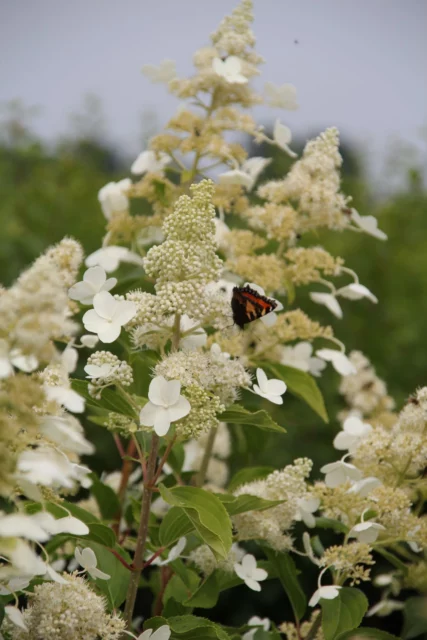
column 359, row 65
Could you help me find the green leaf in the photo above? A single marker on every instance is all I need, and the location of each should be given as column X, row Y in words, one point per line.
column 101, row 534
column 236, row 414
column 175, row 524
column 207, row 514
column 300, row 384
column 107, row 499
column 116, row 587
column 110, row 400
column 189, row 627
column 248, row 474
column 206, row 595
column 415, row 615
column 245, row 502
column 366, row 632
column 176, row 593
column 288, row 576
column 343, row 613
column 330, row 523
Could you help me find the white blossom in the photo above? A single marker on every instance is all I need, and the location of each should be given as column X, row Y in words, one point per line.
column 283, row 97
column 87, row 559
column 300, row 357
column 112, row 197
column 165, row 405
column 236, row 176
column 95, row 371
column 109, row 258
column 94, row 281
column 353, row 432
column 66, row 433
column 150, row 162
column 89, row 340
column 366, row 532
column 230, row 69
column 248, row 571
column 327, row 593
column 369, row 224
column 15, row 584
column 15, row 358
column 162, row 633
column 108, row 316
column 282, row 136
column 254, row 167
column 174, row 553
column 259, row 623
column 339, row 360
column 16, row 617
column 23, row 526
column 306, row 507
column 329, row 300
column 339, row 472
column 272, row 389
column 164, row 72
column 66, row 397
column 50, row 467
column 356, row 291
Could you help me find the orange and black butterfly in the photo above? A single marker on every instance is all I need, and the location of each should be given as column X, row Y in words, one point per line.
column 249, row 305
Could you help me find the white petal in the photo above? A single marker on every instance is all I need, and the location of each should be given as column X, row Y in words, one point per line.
column 105, row 305
column 314, row 599
column 124, row 312
column 158, row 391
column 252, row 584
column 92, row 321
column 109, row 332
column 55, row 576
column 21, row 525
column 249, row 563
column 148, row 414
column 259, row 574
column 162, row 421
column 276, row 387
column 95, row 276
column 81, row 291
column 173, row 390
column 73, row 525
column 97, row 573
column 262, row 380
column 357, row 291
column 69, row 359
column 89, row 341
column 329, row 301
column 240, row 571
column 343, row 441
column 15, row 616
column 180, row 409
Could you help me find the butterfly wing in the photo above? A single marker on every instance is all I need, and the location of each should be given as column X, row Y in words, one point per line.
column 248, row 305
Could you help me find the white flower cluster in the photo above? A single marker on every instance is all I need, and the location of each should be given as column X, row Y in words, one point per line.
column 206, row 562
column 363, row 390
column 104, row 369
column 273, row 525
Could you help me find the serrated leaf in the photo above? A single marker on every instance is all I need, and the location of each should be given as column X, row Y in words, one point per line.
column 111, row 400
column 288, row 576
column 343, row 613
column 207, row 514
column 174, row 525
column 245, row 502
column 248, row 474
column 300, row 384
column 206, row 595
column 236, row 414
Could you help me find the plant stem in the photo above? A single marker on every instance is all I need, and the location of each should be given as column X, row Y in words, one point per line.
column 176, row 336
column 142, row 533
column 164, row 458
column 314, row 627
column 200, row 478
column 126, row 471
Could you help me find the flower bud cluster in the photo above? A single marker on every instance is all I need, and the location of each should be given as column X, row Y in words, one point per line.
column 105, row 369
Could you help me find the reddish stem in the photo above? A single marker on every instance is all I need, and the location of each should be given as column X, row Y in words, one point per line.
column 126, row 471
column 166, row 574
column 154, row 556
column 119, row 557
column 163, row 459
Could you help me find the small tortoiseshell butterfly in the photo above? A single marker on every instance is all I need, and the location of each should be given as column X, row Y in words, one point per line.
column 249, row 305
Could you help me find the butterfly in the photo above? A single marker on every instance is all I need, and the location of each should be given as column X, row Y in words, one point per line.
column 249, row 305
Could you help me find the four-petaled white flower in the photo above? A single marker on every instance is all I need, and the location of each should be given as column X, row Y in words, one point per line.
column 94, row 281
column 236, row 176
column 112, row 197
column 150, row 162
column 356, row 291
column 173, row 554
column 339, row 360
column 109, row 258
column 16, row 617
column 162, row 633
column 108, row 316
column 66, row 397
column 366, row 532
column 99, row 371
column 284, row 97
column 260, row 623
column 248, row 571
column 306, row 507
column 339, row 472
column 353, row 432
column 165, row 405
column 368, row 224
column 327, row 593
column 329, row 301
column 364, row 487
column 87, row 559
column 272, row 389
column 270, row 318
column 300, row 357
column 164, row 72
column 230, row 69
column 282, row 136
